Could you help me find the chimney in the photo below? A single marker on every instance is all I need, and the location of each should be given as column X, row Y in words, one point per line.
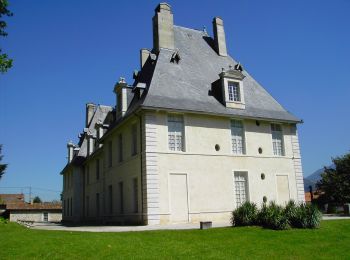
column 90, row 144
column 219, row 36
column 144, row 54
column 163, row 28
column 90, row 110
column 120, row 90
column 70, row 147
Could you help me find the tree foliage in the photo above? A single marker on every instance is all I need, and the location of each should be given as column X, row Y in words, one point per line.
column 335, row 182
column 2, row 166
column 37, row 199
column 5, row 62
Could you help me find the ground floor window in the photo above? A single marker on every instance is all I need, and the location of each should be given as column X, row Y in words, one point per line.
column 136, row 197
column 241, row 187
column 97, row 204
column 46, row 216
column 121, row 198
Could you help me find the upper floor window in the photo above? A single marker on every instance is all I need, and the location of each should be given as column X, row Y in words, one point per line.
column 133, row 139
column 234, row 93
column 237, row 137
column 277, row 139
column 97, row 169
column 110, row 153
column 87, row 174
column 175, row 133
column 120, row 145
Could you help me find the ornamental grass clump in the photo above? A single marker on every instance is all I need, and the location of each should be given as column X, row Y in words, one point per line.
column 306, row 216
column 245, row 215
column 273, row 216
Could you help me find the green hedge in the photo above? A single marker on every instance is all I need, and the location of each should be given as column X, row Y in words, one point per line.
column 277, row 217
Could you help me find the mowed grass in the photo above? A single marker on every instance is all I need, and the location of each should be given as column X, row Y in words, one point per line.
column 330, row 241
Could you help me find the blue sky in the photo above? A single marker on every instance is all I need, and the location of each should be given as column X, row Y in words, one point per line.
column 67, row 53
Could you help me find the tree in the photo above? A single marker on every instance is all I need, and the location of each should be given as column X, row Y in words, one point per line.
column 37, row 199
column 2, row 166
column 335, row 182
column 5, row 62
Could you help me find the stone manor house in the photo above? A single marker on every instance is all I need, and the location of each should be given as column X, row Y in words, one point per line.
column 193, row 137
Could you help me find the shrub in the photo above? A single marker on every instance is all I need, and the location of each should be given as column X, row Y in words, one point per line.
column 290, row 211
column 306, row 216
column 245, row 215
column 273, row 216
column 3, row 220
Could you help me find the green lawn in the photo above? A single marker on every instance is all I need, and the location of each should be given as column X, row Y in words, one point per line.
column 330, row 241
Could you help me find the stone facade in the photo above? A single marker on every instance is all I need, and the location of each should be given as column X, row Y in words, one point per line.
column 124, row 169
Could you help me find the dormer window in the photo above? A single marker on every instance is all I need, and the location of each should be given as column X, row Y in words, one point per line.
column 234, row 93
column 232, row 87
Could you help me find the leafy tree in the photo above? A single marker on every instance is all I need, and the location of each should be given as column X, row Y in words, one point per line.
column 335, row 182
column 2, row 166
column 5, row 62
column 37, row 199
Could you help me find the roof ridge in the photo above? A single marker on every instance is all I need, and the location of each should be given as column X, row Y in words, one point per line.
column 186, row 28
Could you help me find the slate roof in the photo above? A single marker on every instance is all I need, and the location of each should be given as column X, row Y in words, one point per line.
column 186, row 85
column 99, row 115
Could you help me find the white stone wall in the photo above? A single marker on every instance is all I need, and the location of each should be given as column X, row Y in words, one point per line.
column 36, row 216
column 210, row 173
column 124, row 171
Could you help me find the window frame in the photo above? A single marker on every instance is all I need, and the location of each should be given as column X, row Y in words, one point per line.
column 240, row 173
column 173, row 122
column 120, row 147
column 234, row 85
column 134, row 139
column 282, row 148
column 97, row 168
column 243, row 137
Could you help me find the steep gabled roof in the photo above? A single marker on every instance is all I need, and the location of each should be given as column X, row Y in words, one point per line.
column 187, row 85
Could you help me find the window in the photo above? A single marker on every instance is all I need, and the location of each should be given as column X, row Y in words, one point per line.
column 87, row 205
column 121, row 198
column 87, row 175
column 110, row 153
column 110, row 198
column 134, row 139
column 234, row 93
column 97, row 169
column 45, row 216
column 71, row 206
column 241, row 188
column 120, row 145
column 175, row 133
column 136, row 197
column 237, row 137
column 97, row 204
column 277, row 140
